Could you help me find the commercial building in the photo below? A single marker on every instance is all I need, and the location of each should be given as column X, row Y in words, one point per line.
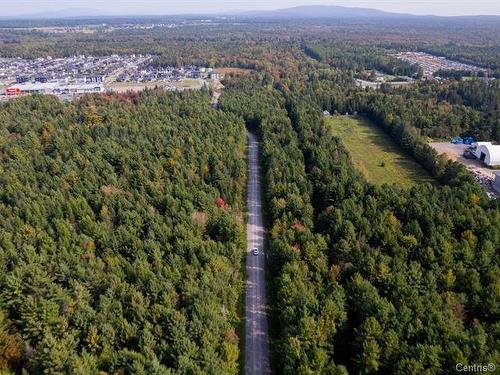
column 31, row 88
column 94, row 79
column 78, row 89
column 54, row 88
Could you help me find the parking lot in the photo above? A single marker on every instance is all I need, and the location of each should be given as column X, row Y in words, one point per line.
column 432, row 64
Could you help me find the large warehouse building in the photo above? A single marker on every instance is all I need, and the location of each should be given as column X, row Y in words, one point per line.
column 488, row 153
column 54, row 88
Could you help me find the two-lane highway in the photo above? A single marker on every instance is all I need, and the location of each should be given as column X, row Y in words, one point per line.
column 256, row 332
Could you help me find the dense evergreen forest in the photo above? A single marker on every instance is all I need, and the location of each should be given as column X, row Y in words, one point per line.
column 113, row 252
column 122, row 216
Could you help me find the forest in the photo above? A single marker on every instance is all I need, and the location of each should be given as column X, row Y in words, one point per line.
column 249, row 43
column 360, row 57
column 115, row 252
column 386, row 272
column 444, row 110
column 122, row 216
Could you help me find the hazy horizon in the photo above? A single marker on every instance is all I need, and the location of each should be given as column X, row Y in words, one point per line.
column 15, row 8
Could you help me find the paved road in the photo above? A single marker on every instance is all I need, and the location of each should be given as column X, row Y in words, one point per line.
column 256, row 340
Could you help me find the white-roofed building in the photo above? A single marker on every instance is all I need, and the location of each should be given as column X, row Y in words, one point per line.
column 488, row 153
column 54, row 88
column 34, row 87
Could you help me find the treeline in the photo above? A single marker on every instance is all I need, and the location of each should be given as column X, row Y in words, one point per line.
column 468, row 108
column 477, row 94
column 121, row 235
column 357, row 57
column 483, row 96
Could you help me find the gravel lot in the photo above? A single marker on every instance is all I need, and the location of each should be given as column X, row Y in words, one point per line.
column 455, row 152
column 483, row 174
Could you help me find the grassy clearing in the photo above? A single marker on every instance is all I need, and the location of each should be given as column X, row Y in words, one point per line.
column 374, row 153
column 188, row 83
column 235, row 71
column 122, row 87
column 191, row 83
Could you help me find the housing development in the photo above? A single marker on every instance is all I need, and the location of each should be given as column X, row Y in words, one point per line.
column 77, row 75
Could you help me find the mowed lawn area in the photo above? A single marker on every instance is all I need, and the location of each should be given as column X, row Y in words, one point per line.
column 375, row 154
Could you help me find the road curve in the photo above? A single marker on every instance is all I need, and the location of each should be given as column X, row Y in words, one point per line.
column 256, row 330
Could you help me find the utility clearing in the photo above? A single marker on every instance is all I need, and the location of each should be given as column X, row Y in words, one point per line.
column 375, row 154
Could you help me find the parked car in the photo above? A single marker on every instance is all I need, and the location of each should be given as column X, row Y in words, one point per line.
column 469, row 154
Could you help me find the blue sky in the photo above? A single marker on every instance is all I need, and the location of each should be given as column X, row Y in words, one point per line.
column 437, row 7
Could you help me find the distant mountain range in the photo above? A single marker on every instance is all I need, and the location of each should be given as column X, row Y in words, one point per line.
column 323, row 11
column 313, row 11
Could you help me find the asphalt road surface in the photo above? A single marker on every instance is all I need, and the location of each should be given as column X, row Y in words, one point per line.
column 256, row 332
